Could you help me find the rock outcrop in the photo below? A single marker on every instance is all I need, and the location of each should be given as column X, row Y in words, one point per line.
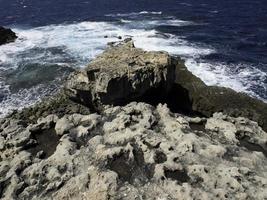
column 6, row 35
column 121, row 74
column 133, row 152
column 207, row 100
column 124, row 73
column 109, row 135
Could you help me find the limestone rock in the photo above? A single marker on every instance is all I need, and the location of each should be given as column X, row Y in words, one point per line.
column 61, row 149
column 122, row 73
column 195, row 95
column 135, row 151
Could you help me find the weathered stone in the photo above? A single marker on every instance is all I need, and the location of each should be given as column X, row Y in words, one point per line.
column 63, row 126
column 124, row 73
column 59, row 105
column 58, row 150
column 119, row 75
column 2, row 143
column 196, row 96
column 138, row 150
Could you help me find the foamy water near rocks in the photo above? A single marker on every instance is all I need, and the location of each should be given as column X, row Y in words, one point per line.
column 109, row 135
column 121, row 74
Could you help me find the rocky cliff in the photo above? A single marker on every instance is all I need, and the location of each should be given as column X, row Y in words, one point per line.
column 136, row 125
column 121, row 74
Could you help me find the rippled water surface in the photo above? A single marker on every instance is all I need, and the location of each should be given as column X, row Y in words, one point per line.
column 222, row 42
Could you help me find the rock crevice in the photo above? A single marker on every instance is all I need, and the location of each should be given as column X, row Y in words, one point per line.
column 124, row 73
column 120, row 75
column 159, row 133
column 133, row 152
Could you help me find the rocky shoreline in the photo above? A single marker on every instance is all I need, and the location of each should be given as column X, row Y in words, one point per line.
column 6, row 35
column 136, row 125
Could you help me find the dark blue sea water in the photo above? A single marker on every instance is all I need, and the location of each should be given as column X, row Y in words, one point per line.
column 222, row 42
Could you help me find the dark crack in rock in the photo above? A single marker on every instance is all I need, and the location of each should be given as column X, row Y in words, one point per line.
column 244, row 142
column 46, row 143
column 135, row 146
column 180, row 176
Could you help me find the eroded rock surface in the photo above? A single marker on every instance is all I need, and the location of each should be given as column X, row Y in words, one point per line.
column 121, row 74
column 196, row 95
column 6, row 35
column 133, row 152
column 87, row 142
column 124, row 73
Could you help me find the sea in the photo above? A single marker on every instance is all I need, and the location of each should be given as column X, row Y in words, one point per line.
column 222, row 42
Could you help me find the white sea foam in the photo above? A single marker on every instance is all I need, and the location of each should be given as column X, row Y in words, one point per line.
column 76, row 44
column 125, row 21
column 240, row 77
column 153, row 12
column 25, row 98
column 83, row 41
column 168, row 22
column 135, row 14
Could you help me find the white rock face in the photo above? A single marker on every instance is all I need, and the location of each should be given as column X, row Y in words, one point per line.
column 133, row 152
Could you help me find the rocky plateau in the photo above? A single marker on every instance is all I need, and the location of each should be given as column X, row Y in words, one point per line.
column 136, row 125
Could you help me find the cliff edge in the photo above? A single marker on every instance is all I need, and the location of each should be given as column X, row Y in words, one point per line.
column 136, row 125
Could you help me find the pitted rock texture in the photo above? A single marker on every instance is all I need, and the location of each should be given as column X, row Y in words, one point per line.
column 196, row 95
column 121, row 74
column 133, row 152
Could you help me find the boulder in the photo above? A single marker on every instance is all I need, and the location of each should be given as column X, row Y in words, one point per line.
column 6, row 35
column 124, row 73
column 121, row 74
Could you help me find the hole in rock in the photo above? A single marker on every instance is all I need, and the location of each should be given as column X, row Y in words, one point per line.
column 197, row 181
column 47, row 141
column 160, row 157
column 198, row 126
column 133, row 171
column 180, row 176
column 244, row 142
column 177, row 99
column 3, row 186
column 150, row 146
column 230, row 153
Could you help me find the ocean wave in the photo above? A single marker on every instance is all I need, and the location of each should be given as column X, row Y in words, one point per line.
column 134, row 14
column 76, row 44
column 153, row 13
column 25, row 98
column 125, row 21
column 186, row 4
column 239, row 77
column 170, row 22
